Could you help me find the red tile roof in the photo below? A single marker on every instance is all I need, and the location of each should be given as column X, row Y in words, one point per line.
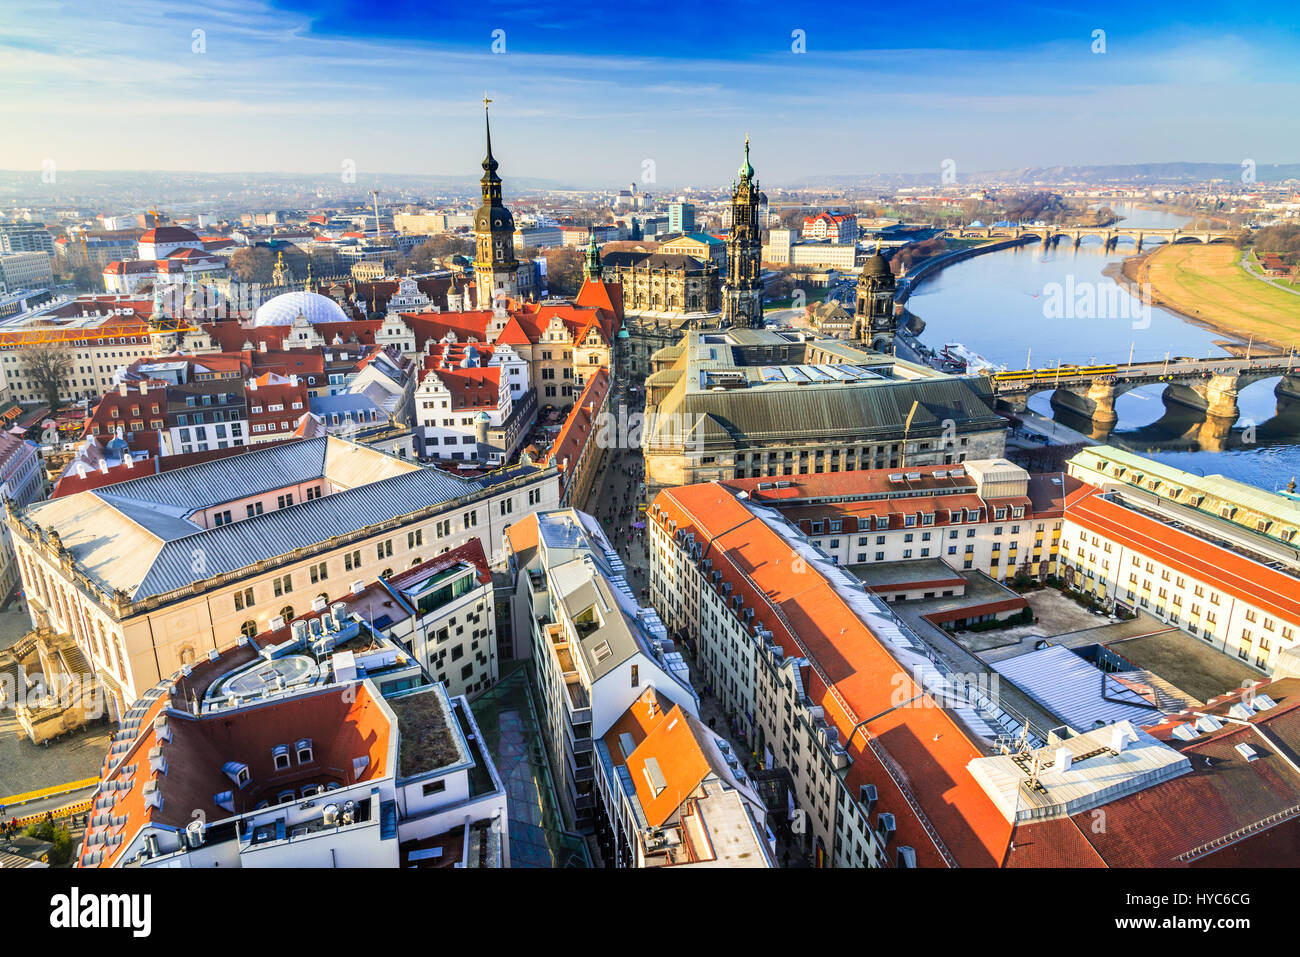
column 341, row 728
column 1266, row 588
column 580, row 424
column 854, row 677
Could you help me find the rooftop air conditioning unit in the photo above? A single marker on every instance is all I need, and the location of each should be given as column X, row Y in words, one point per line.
column 330, row 815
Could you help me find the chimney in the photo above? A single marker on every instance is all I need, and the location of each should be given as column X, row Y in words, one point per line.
column 121, row 388
column 1064, row 758
column 262, row 345
column 103, row 466
column 293, row 381
column 1118, row 738
column 128, row 461
column 252, row 385
column 144, row 388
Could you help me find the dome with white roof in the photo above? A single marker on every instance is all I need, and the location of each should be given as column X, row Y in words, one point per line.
column 284, row 309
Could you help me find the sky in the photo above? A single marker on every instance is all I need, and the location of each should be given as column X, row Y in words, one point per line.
column 600, row 93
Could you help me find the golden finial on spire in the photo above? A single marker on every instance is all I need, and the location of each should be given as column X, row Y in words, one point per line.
column 486, row 101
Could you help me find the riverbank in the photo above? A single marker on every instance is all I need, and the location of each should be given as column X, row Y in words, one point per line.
column 928, row 267
column 1206, row 285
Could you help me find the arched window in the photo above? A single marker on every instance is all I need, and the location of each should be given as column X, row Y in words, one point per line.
column 248, row 629
column 287, row 613
column 388, row 573
column 417, row 561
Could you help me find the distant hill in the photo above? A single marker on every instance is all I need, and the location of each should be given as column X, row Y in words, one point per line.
column 1135, row 173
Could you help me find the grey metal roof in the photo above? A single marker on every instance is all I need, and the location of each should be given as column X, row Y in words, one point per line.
column 235, row 546
column 137, row 536
column 1074, row 690
column 224, row 480
column 849, row 409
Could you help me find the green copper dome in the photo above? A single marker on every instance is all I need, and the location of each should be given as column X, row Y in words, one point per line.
column 746, row 171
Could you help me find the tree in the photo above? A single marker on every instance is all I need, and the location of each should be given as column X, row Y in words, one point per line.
column 49, row 365
column 439, row 247
column 564, row 270
column 253, row 264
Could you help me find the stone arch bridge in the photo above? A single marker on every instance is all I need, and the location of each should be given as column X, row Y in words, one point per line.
column 1110, row 236
column 1209, row 386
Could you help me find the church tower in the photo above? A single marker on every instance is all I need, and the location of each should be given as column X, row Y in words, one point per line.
column 591, row 267
column 742, row 292
column 873, row 316
column 496, row 271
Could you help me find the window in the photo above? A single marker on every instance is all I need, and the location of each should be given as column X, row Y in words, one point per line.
column 254, row 509
column 319, row 572
column 352, row 560
column 282, row 585
column 303, row 750
column 248, row 629
column 415, row 538
column 243, row 599
column 287, row 613
column 434, row 787
column 385, row 549
column 636, row 675
column 280, row 754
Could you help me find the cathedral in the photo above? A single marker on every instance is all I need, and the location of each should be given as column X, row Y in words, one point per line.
column 496, row 271
column 742, row 293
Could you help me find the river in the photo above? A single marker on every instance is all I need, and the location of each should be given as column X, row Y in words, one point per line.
column 1005, row 306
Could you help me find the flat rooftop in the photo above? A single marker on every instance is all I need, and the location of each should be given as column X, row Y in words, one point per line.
column 1196, row 666
column 427, row 739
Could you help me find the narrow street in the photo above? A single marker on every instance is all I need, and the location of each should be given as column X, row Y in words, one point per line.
column 615, row 496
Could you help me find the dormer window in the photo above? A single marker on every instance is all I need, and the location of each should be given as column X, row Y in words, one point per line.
column 280, row 755
column 237, row 772
column 225, row 800
column 303, row 748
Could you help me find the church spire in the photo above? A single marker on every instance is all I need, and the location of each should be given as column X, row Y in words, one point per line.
column 746, row 170
column 489, row 162
column 592, row 268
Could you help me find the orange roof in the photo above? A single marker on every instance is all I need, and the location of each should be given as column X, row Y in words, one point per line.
column 578, row 426
column 672, row 748
column 522, row 535
column 341, row 727
column 1268, row 589
column 854, row 676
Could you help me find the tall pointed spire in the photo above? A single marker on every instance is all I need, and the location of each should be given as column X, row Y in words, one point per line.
column 591, row 268
column 489, row 162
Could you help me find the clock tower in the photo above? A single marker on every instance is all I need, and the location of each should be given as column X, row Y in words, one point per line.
column 496, row 271
column 742, row 292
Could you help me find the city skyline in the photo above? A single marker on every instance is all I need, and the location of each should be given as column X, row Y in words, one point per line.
column 270, row 88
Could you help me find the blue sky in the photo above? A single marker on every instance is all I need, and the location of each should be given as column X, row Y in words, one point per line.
column 588, row 92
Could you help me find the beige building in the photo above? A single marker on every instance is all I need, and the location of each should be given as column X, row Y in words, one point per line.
column 151, row 574
column 1210, row 556
column 25, row 271
column 747, row 403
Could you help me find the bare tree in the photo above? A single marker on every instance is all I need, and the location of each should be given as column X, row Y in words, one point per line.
column 49, row 364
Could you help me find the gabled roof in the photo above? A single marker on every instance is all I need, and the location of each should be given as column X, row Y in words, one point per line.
column 138, row 536
column 855, row 651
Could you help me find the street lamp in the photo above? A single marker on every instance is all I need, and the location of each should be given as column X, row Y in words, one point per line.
column 907, row 427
